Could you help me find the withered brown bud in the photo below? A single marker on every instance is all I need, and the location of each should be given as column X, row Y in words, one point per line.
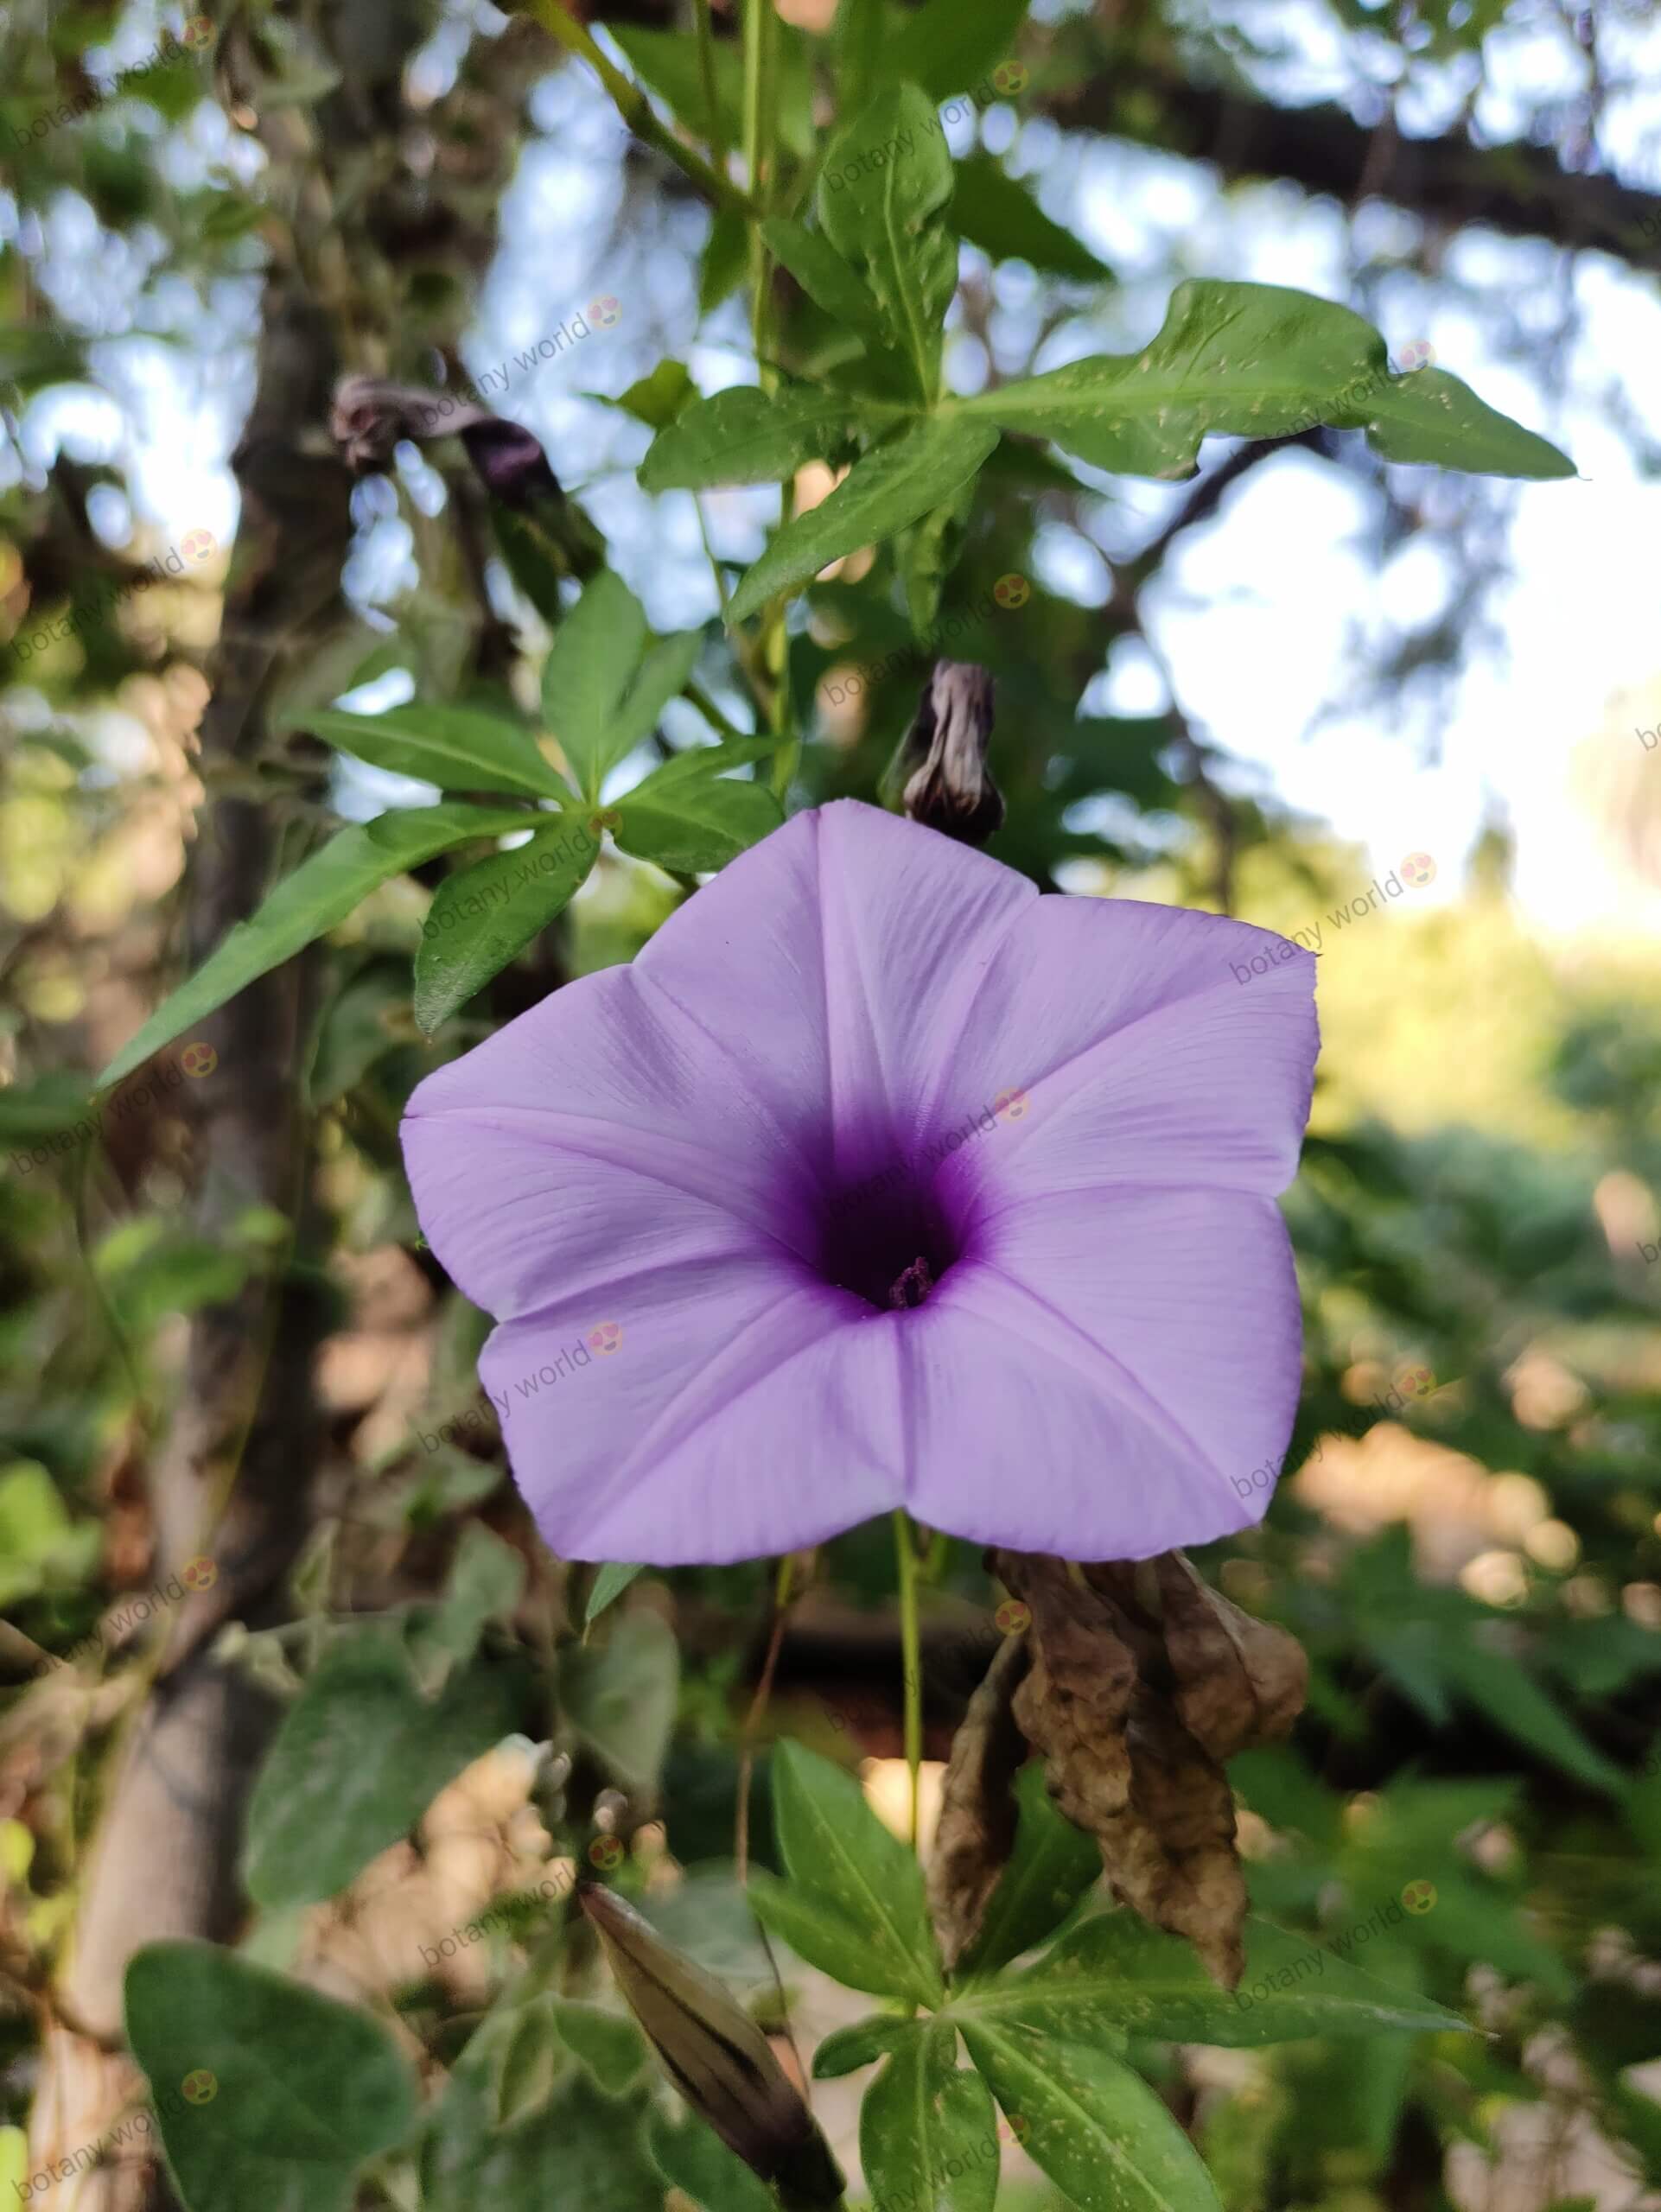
column 717, row 2056
column 371, row 417
column 946, row 783
column 1143, row 1681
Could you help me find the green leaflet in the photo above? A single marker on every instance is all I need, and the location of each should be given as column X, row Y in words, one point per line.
column 482, row 917
column 846, row 1868
column 1252, row 360
column 1095, row 2128
column 692, row 824
column 895, row 485
column 607, row 1588
column 458, row 749
column 1113, row 1975
column 595, row 650
column 928, row 2129
column 744, row 435
column 886, row 179
column 826, row 278
column 945, row 46
column 322, row 891
column 999, row 214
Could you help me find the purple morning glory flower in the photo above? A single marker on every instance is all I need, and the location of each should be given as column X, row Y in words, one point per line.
column 878, row 1180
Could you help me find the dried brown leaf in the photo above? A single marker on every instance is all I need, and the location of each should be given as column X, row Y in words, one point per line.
column 977, row 1830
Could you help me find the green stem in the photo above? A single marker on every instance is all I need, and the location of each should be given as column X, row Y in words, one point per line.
column 758, row 16
column 707, row 67
column 906, row 1554
column 636, row 109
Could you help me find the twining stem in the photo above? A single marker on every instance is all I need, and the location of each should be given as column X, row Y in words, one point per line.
column 636, row 111
column 906, row 1554
column 781, row 1589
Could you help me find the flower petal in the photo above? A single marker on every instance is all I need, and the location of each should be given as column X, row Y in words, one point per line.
column 1107, row 1383
column 744, row 1410
column 1142, row 1058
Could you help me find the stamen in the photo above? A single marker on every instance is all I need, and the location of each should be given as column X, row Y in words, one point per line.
column 912, row 1286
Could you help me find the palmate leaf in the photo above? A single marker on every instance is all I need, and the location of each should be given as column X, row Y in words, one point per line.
column 322, row 891
column 458, row 749
column 892, row 486
column 266, row 2092
column 1256, row 360
column 1095, row 2128
column 484, row 916
column 886, row 180
column 928, row 2129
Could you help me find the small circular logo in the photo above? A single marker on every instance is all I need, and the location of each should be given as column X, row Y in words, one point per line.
column 1012, row 591
column 1010, row 1105
column 1419, row 353
column 1419, row 1896
column 199, row 30
column 197, row 544
column 200, row 1575
column 606, row 1337
column 199, row 2088
column 1012, row 1615
column 1415, row 1381
column 1418, row 870
column 605, row 312
column 1010, row 76
column 606, row 1853
column 199, row 1059
column 1012, row 2128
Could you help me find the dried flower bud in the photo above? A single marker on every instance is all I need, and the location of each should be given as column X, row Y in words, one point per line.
column 943, row 759
column 371, row 417
column 715, row 2053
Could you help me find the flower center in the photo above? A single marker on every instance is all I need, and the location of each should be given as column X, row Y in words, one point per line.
column 886, row 1239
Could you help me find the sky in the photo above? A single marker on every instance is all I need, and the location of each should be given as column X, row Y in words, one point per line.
column 1253, row 615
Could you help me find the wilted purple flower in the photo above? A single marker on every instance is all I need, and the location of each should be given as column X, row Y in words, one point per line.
column 878, row 1180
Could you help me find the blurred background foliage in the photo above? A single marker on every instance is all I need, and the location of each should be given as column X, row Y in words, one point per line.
column 1468, row 1536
